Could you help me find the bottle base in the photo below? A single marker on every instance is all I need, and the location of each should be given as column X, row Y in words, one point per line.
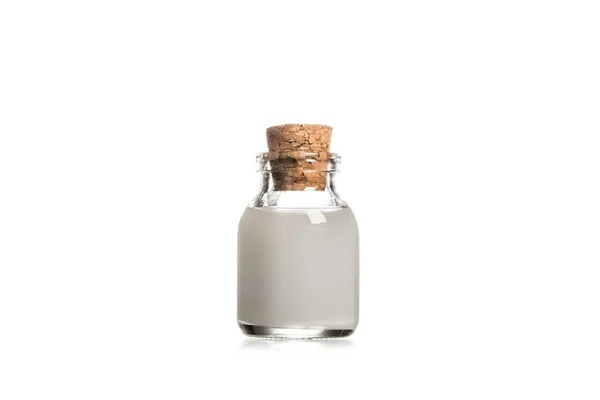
column 269, row 332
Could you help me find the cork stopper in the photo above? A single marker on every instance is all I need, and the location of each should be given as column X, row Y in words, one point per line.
column 300, row 153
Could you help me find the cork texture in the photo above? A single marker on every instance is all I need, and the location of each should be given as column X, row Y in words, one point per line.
column 294, row 169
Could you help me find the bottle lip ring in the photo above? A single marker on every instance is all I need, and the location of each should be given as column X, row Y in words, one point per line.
column 299, row 155
column 304, row 161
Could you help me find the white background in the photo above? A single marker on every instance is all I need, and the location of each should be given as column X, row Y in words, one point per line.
column 469, row 132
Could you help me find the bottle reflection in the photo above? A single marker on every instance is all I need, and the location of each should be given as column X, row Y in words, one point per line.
column 249, row 344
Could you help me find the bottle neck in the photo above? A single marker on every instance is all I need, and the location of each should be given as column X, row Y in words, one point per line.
column 285, row 190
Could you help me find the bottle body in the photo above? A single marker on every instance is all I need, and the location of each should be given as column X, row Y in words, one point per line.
column 298, row 264
column 298, row 270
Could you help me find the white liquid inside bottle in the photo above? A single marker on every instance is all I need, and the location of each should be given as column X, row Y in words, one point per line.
column 298, row 269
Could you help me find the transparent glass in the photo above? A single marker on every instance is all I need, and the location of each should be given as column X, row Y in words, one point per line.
column 298, row 255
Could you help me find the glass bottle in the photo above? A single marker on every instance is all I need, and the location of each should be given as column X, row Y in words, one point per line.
column 298, row 255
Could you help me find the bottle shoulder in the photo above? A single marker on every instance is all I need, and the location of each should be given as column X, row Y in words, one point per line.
column 325, row 199
column 262, row 217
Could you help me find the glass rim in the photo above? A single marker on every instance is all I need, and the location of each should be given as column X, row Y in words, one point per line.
column 322, row 161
